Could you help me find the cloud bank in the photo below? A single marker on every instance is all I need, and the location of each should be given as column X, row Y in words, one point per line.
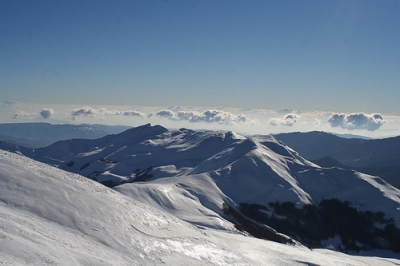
column 47, row 113
column 287, row 120
column 285, row 111
column 209, row 116
column 9, row 103
column 133, row 113
column 88, row 111
column 84, row 111
column 370, row 122
column 124, row 113
column 22, row 114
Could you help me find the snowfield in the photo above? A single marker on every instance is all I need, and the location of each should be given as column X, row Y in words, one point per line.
column 49, row 216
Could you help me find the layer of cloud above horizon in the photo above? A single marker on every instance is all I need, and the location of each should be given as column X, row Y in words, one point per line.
column 22, row 114
column 88, row 111
column 209, row 116
column 84, row 111
column 124, row 113
column 225, row 117
column 287, row 120
column 8, row 103
column 370, row 122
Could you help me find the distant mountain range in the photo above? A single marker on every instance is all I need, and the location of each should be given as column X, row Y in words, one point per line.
column 35, row 135
column 203, row 176
column 350, row 136
column 372, row 156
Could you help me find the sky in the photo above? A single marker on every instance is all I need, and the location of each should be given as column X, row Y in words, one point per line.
column 256, row 67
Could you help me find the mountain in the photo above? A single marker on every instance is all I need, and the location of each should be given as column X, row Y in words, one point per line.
column 351, row 152
column 203, row 176
column 351, row 136
column 49, row 216
column 35, row 135
column 372, row 156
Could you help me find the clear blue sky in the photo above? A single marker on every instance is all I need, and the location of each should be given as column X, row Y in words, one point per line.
column 340, row 56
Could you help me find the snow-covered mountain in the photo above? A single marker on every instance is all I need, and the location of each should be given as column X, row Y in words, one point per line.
column 49, row 216
column 200, row 176
column 352, row 152
column 193, row 175
column 372, row 156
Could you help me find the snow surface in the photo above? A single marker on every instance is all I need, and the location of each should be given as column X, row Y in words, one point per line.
column 49, row 216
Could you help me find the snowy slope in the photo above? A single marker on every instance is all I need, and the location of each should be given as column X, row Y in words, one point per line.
column 49, row 216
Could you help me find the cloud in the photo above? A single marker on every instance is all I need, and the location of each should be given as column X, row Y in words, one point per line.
column 285, row 111
column 91, row 112
column 124, row 113
column 9, row 103
column 110, row 112
column 47, row 113
column 167, row 114
column 22, row 114
column 133, row 113
column 370, row 122
column 287, row 120
column 84, row 111
column 209, row 116
column 174, row 108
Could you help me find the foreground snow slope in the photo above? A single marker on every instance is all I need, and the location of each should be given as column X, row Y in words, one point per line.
column 49, row 216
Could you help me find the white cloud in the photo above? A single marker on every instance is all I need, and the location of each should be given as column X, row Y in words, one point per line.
column 209, row 116
column 124, row 113
column 47, row 113
column 110, row 112
column 22, row 114
column 167, row 114
column 287, row 120
column 174, row 108
column 84, row 111
column 285, row 111
column 9, row 103
column 370, row 122
column 133, row 113
column 91, row 112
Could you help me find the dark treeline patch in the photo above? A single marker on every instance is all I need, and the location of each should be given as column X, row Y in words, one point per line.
column 138, row 176
column 105, row 160
column 358, row 230
column 144, row 175
column 254, row 228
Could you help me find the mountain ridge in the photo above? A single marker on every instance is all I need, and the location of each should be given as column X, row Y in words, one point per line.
column 374, row 156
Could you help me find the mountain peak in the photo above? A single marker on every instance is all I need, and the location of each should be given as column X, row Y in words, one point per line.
column 146, row 129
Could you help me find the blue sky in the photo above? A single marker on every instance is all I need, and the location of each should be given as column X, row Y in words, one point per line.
column 307, row 56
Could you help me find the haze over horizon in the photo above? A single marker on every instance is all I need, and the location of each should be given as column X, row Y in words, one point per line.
column 253, row 67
